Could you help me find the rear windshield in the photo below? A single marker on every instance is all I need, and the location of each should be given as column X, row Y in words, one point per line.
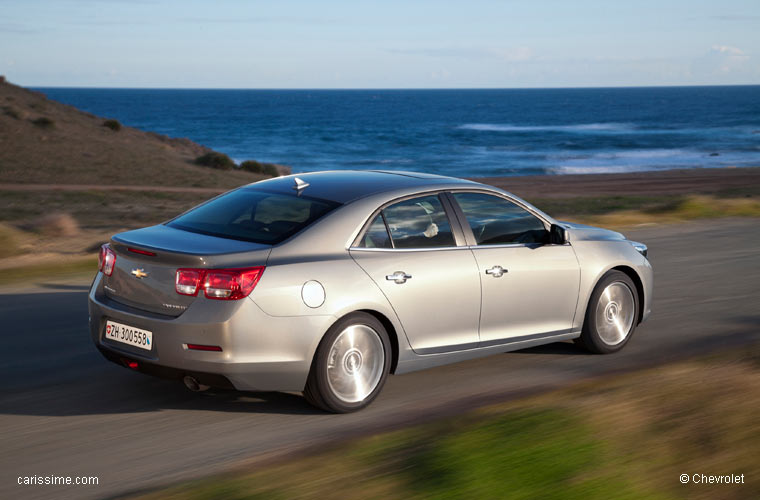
column 253, row 215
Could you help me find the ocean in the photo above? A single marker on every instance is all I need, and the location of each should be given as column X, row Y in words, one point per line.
column 465, row 133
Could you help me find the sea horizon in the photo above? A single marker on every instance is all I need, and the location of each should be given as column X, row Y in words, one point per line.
column 98, row 87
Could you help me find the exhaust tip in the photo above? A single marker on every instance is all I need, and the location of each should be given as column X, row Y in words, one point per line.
column 193, row 384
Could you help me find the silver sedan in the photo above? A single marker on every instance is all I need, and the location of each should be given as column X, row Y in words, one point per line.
column 327, row 282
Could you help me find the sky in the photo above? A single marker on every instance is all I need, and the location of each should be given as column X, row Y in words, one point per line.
column 379, row 44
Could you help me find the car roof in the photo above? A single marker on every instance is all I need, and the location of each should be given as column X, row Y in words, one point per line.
column 344, row 186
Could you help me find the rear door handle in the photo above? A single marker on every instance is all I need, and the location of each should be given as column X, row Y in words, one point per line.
column 496, row 271
column 399, row 277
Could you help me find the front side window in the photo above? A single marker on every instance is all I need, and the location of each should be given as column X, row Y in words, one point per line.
column 419, row 223
column 253, row 215
column 496, row 221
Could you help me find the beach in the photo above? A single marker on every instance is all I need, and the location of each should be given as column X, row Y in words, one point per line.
column 668, row 182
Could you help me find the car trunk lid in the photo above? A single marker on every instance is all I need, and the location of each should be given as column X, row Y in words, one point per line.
column 147, row 261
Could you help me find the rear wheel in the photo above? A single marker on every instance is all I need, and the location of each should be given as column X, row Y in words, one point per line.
column 350, row 366
column 611, row 315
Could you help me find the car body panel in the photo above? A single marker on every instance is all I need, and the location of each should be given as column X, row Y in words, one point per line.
column 153, row 288
column 422, row 362
column 260, row 352
column 346, row 288
column 537, row 292
column 439, row 304
column 595, row 260
column 342, row 186
column 600, row 250
column 582, row 232
column 197, row 246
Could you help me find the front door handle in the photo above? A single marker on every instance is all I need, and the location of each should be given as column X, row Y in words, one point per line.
column 496, row 271
column 399, row 277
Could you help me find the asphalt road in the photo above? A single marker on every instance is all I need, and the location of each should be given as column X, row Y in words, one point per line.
column 65, row 411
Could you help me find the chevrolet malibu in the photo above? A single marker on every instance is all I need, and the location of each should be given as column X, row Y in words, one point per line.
column 327, row 282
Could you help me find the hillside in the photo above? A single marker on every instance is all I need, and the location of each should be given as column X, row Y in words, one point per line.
column 47, row 142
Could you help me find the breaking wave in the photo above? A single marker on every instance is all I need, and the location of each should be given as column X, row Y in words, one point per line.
column 579, row 127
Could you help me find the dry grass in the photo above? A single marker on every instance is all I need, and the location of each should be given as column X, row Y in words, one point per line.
column 11, row 241
column 34, row 257
column 106, row 210
column 58, row 231
column 696, row 417
column 65, row 222
column 49, row 268
column 627, row 437
column 625, row 211
column 56, row 224
column 687, row 208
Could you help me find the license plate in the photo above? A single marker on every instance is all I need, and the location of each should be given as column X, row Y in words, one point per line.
column 129, row 335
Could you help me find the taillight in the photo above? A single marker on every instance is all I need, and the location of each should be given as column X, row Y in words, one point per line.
column 220, row 284
column 231, row 284
column 106, row 260
column 188, row 280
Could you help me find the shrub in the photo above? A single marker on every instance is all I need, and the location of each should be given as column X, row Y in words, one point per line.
column 258, row 167
column 215, row 160
column 44, row 122
column 56, row 224
column 12, row 241
column 12, row 112
column 112, row 124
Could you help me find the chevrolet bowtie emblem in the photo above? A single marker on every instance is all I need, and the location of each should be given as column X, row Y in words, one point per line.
column 139, row 273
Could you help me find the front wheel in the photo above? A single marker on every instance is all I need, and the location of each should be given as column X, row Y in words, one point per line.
column 350, row 366
column 611, row 315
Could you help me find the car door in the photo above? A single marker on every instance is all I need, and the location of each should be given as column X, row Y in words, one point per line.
column 529, row 286
column 410, row 251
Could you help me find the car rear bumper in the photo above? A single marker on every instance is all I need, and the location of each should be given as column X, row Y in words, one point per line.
column 259, row 352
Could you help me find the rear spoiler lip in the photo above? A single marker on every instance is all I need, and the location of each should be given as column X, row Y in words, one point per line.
column 179, row 248
column 172, row 244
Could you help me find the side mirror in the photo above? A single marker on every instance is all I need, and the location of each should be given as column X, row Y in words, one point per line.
column 557, row 235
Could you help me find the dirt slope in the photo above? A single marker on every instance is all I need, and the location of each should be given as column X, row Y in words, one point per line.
column 44, row 141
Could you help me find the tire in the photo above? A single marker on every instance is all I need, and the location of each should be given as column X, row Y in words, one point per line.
column 612, row 314
column 355, row 348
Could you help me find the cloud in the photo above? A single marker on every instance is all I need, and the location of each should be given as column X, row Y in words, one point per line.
column 440, row 75
column 514, row 54
column 18, row 28
column 736, row 18
column 261, row 20
column 728, row 50
column 724, row 60
column 510, row 54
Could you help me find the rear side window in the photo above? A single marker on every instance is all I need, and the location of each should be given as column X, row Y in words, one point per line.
column 495, row 221
column 377, row 235
column 414, row 223
column 253, row 215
